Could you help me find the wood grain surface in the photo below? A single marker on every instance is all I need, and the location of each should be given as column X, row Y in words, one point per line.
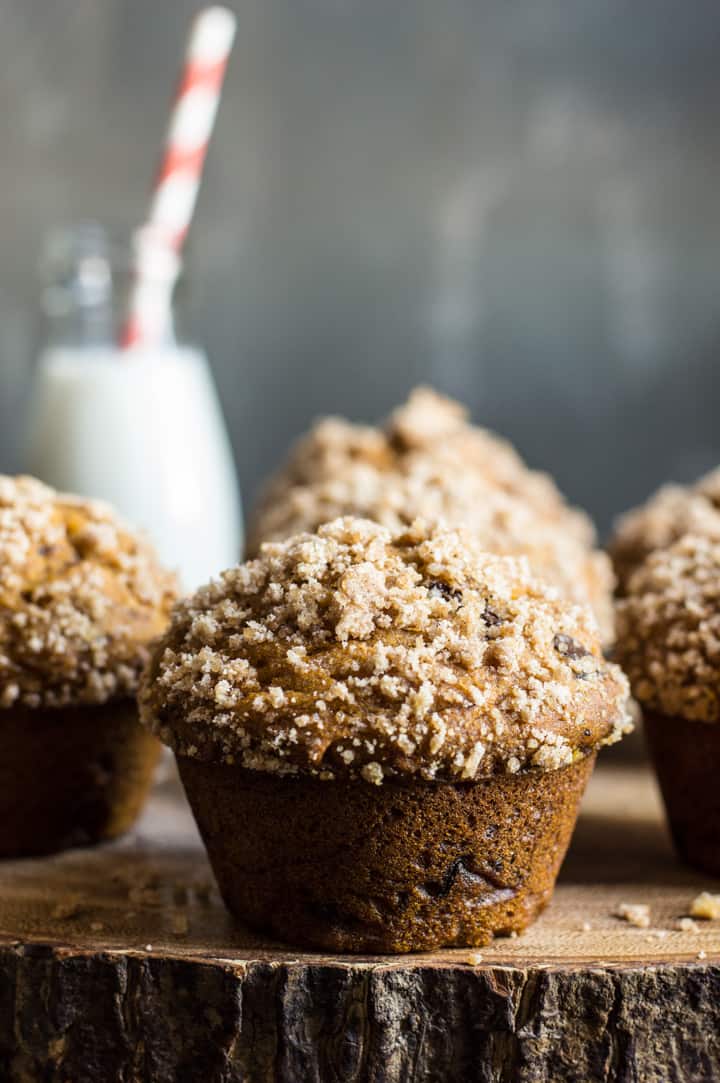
column 120, row 963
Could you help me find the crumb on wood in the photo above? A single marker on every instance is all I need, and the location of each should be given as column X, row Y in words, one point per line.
column 586, row 927
column 706, row 906
column 702, row 955
column 686, row 925
column 637, row 914
column 474, row 958
column 96, row 926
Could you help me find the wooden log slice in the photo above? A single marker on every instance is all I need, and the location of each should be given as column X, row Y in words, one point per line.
column 120, row 963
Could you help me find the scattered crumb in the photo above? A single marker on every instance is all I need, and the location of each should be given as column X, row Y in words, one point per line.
column 513, row 934
column 148, row 947
column 96, row 926
column 474, row 958
column 637, row 914
column 702, row 955
column 657, row 934
column 686, row 925
column 180, row 924
column 585, row 927
column 706, row 906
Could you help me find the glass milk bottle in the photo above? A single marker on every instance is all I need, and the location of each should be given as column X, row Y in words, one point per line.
column 141, row 428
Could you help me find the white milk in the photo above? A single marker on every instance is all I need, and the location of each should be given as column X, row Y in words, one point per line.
column 143, row 430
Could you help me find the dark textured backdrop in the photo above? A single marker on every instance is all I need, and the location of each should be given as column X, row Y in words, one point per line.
column 516, row 201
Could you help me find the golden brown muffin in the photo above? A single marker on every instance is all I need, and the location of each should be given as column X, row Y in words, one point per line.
column 407, row 679
column 80, row 599
column 669, row 643
column 431, row 464
column 673, row 511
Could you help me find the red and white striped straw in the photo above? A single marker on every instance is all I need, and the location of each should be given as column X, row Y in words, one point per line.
column 178, row 179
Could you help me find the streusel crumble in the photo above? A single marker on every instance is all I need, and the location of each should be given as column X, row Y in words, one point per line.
column 80, row 598
column 358, row 652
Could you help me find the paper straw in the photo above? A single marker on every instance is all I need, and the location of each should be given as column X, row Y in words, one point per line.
column 178, row 180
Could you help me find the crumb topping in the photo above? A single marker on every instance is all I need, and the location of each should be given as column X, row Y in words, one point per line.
column 500, row 523
column 80, row 597
column 427, row 426
column 355, row 652
column 668, row 630
column 672, row 512
column 437, row 467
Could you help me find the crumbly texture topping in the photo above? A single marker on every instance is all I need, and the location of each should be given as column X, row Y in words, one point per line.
column 500, row 523
column 80, row 598
column 431, row 464
column 356, row 652
column 672, row 512
column 668, row 630
column 427, row 427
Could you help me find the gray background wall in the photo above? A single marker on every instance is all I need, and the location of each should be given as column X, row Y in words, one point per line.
column 518, row 201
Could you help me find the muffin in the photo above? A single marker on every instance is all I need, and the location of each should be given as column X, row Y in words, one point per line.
column 673, row 511
column 80, row 599
column 384, row 737
column 669, row 644
column 430, row 463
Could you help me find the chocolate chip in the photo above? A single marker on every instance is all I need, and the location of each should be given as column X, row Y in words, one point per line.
column 569, row 647
column 445, row 590
column 46, row 550
column 491, row 618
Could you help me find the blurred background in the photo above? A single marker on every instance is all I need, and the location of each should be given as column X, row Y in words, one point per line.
column 515, row 202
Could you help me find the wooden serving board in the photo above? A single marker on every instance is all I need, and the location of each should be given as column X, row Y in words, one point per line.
column 120, row 963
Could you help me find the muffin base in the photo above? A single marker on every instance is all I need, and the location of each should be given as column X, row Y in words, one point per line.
column 685, row 754
column 347, row 866
column 71, row 776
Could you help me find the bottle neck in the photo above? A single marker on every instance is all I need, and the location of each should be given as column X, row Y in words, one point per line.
column 87, row 290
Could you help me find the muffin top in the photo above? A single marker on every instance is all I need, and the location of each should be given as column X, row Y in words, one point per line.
column 500, row 523
column 673, row 511
column 429, row 432
column 80, row 597
column 358, row 652
column 669, row 630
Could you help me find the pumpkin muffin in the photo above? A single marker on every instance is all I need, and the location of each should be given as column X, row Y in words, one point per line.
column 80, row 599
column 384, row 737
column 669, row 643
column 673, row 511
